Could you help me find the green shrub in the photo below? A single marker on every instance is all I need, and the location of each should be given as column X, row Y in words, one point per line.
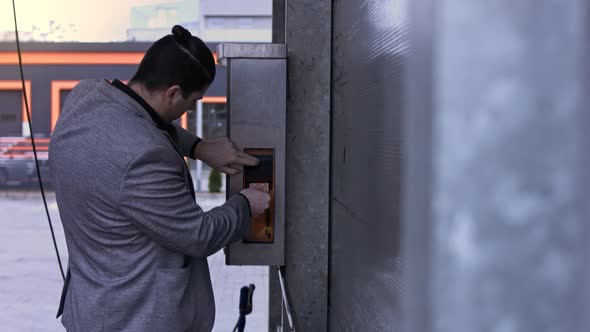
column 215, row 181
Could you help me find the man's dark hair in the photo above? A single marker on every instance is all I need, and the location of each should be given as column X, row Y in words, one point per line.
column 177, row 59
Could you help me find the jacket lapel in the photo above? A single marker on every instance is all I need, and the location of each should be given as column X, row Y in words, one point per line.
column 128, row 102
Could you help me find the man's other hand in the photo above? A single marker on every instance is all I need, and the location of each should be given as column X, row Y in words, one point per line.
column 222, row 155
column 259, row 200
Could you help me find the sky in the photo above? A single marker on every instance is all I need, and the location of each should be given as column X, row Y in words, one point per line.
column 81, row 20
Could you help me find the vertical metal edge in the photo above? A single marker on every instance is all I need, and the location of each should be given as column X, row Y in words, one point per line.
column 278, row 21
column 227, row 64
column 274, row 290
column 583, row 164
column 283, row 169
column 417, row 170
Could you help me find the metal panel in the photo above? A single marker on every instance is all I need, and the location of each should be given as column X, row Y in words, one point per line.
column 256, row 119
column 417, row 165
column 251, row 51
column 507, row 218
column 274, row 288
column 369, row 53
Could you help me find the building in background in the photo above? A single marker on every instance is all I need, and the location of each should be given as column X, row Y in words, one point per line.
column 229, row 21
column 51, row 71
column 151, row 22
column 215, row 22
column 236, row 20
column 212, row 20
column 42, row 32
column 53, row 68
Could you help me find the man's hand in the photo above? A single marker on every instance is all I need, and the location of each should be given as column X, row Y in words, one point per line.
column 222, row 155
column 259, row 200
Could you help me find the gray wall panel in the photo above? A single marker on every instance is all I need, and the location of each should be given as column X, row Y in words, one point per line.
column 369, row 52
column 417, row 165
column 507, row 218
column 507, row 235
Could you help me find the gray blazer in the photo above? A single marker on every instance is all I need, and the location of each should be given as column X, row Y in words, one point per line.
column 138, row 243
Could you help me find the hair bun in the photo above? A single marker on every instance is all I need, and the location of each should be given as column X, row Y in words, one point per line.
column 180, row 34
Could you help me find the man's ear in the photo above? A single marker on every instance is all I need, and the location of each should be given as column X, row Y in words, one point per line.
column 172, row 93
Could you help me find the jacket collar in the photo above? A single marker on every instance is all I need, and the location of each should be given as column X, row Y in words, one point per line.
column 125, row 96
column 147, row 107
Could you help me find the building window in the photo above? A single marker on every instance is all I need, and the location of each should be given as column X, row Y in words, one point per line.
column 163, row 18
column 59, row 93
column 216, row 22
column 245, row 23
column 238, row 22
column 10, row 113
column 214, row 120
column 13, row 123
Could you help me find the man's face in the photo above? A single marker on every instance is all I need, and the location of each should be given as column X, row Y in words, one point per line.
column 177, row 104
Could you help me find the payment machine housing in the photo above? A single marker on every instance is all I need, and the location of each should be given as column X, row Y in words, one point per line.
column 256, row 122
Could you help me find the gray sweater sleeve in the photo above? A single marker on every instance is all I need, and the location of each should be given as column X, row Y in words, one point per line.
column 186, row 141
column 154, row 195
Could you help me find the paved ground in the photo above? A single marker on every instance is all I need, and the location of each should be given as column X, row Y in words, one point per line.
column 30, row 283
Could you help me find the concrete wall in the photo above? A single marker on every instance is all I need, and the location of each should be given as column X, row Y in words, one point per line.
column 308, row 37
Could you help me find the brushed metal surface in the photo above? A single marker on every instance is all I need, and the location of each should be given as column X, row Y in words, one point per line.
column 417, row 183
column 369, row 54
column 250, row 51
column 256, row 120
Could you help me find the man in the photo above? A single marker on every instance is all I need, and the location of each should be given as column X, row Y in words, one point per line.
column 137, row 240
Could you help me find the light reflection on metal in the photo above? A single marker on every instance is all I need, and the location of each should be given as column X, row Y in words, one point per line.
column 285, row 299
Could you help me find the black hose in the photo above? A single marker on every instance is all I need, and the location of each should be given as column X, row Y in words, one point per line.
column 22, row 77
